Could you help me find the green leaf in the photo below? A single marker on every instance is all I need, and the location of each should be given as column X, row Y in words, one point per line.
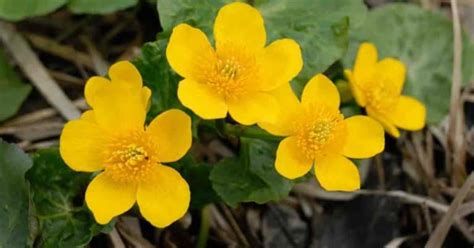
column 64, row 221
column 423, row 40
column 99, row 7
column 319, row 26
column 12, row 90
column 15, row 10
column 197, row 177
column 158, row 76
column 198, row 13
column 13, row 196
column 252, row 178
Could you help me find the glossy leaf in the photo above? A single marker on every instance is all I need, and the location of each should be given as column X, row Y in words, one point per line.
column 13, row 196
column 321, row 28
column 99, row 7
column 197, row 177
column 12, row 90
column 252, row 177
column 158, row 76
column 64, row 221
column 14, row 10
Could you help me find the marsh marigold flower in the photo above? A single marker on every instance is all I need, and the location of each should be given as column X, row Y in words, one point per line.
column 377, row 86
column 111, row 138
column 238, row 74
column 317, row 133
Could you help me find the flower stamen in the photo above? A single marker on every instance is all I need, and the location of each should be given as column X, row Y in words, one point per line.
column 232, row 74
column 321, row 130
column 381, row 94
column 130, row 158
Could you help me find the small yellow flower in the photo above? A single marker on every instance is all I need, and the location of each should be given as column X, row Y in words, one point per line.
column 377, row 86
column 316, row 132
column 237, row 76
column 111, row 138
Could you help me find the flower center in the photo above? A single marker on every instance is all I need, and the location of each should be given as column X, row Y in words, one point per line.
column 233, row 72
column 130, row 155
column 228, row 68
column 321, row 130
column 381, row 95
column 129, row 158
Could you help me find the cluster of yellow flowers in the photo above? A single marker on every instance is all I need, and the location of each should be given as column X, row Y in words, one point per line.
column 249, row 80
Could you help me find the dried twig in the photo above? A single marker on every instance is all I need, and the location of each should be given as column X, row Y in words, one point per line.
column 129, row 229
column 39, row 115
column 100, row 65
column 35, row 131
column 466, row 209
column 397, row 242
column 36, row 72
column 115, row 239
column 439, row 234
column 378, row 161
column 65, row 52
column 409, row 198
column 345, row 196
column 222, row 227
column 456, row 153
column 235, row 226
column 28, row 146
column 426, row 215
column 64, row 77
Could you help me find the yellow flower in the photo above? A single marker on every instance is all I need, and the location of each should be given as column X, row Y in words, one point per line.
column 316, row 132
column 237, row 76
column 112, row 138
column 377, row 86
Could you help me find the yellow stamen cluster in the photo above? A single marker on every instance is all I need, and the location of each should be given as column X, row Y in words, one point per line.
column 130, row 158
column 381, row 95
column 321, row 130
column 232, row 73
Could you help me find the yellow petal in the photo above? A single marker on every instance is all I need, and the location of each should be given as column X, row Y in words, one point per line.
column 290, row 162
column 289, row 106
column 171, row 132
column 337, row 173
column 164, row 197
column 81, row 145
column 107, row 198
column 365, row 137
column 254, row 107
column 320, row 90
column 409, row 114
column 188, row 49
column 201, row 100
column 146, row 98
column 93, row 85
column 392, row 70
column 365, row 62
column 281, row 61
column 356, row 92
column 241, row 24
column 88, row 116
column 117, row 108
column 386, row 123
column 125, row 71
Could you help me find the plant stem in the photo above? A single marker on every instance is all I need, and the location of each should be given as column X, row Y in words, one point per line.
column 204, row 228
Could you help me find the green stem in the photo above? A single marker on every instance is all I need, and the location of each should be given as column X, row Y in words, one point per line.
column 204, row 228
column 248, row 132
